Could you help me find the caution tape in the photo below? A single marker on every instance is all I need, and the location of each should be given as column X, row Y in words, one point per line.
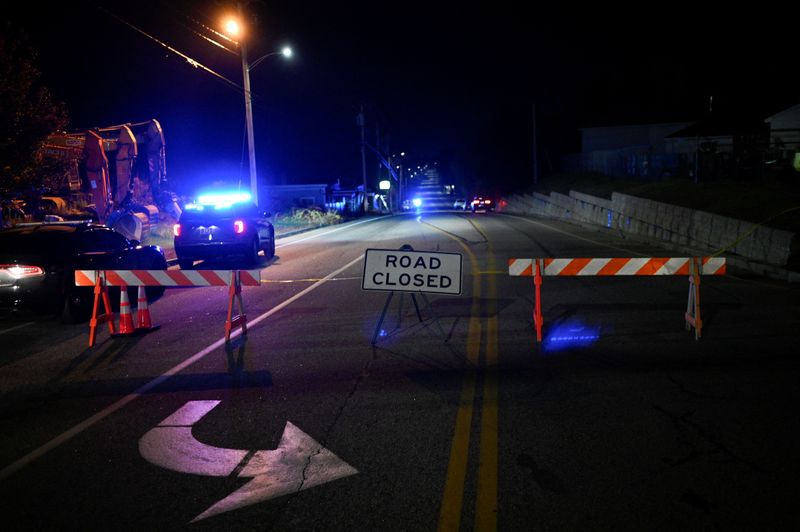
column 287, row 281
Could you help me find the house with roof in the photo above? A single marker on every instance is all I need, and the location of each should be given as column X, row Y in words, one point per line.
column 714, row 146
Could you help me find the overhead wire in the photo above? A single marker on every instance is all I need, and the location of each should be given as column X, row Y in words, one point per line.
column 205, row 27
column 192, row 62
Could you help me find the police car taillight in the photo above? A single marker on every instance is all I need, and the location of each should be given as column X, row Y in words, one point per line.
column 176, row 229
column 21, row 271
column 238, row 227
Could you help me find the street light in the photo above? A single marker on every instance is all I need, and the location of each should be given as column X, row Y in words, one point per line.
column 234, row 28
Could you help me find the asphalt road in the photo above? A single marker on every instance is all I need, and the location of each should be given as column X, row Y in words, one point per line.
column 461, row 421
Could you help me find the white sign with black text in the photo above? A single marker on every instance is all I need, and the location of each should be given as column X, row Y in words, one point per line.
column 412, row 271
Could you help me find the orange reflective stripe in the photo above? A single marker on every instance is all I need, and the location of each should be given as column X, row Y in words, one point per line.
column 652, row 266
column 613, row 266
column 574, row 267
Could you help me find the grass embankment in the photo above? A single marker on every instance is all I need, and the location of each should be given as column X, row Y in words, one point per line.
column 771, row 203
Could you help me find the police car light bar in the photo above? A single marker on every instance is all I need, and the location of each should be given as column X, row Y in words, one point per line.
column 224, row 199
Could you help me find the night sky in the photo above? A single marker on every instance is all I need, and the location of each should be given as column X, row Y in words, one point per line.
column 448, row 82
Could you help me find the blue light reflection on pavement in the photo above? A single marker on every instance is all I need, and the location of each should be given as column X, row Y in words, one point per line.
column 569, row 335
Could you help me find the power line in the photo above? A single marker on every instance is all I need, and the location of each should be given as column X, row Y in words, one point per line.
column 188, row 59
column 207, row 28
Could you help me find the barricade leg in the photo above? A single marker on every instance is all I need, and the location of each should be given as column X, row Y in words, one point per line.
column 692, row 315
column 538, row 320
column 100, row 292
column 235, row 291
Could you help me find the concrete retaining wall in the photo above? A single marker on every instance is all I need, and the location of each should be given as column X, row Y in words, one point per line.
column 656, row 222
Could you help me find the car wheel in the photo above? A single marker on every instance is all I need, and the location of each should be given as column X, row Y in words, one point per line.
column 270, row 251
column 185, row 264
column 76, row 307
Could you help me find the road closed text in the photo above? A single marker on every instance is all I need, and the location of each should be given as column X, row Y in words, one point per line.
column 412, row 271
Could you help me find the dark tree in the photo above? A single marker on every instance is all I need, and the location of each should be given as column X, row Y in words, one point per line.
column 28, row 114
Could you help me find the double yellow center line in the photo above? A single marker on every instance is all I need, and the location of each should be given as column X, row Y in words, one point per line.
column 486, row 495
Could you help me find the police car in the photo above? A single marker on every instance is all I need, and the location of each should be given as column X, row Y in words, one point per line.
column 218, row 226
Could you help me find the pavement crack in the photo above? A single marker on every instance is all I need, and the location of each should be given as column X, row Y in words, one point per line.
column 702, row 432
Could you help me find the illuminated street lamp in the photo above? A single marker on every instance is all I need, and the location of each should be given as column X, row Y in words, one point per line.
column 233, row 27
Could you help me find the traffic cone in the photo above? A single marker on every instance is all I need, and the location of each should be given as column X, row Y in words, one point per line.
column 142, row 312
column 125, row 316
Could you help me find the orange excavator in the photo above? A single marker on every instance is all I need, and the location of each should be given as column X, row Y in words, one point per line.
column 121, row 170
column 117, row 165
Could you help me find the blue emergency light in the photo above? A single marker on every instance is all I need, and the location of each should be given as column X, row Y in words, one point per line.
column 221, row 200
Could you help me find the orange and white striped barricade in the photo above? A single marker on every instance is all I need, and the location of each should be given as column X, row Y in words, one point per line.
column 692, row 267
column 234, row 279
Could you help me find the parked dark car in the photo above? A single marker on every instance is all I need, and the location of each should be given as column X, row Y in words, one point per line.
column 217, row 230
column 38, row 263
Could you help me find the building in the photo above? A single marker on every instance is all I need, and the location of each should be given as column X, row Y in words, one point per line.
column 715, row 146
column 634, row 150
column 784, row 133
column 284, row 198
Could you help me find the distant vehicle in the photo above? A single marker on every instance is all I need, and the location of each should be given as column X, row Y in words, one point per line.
column 460, row 203
column 221, row 225
column 406, row 205
column 38, row 263
column 482, row 204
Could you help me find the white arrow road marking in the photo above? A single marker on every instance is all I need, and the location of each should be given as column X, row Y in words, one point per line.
column 298, row 463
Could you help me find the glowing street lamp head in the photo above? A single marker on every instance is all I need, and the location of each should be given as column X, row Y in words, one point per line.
column 232, row 27
column 287, row 52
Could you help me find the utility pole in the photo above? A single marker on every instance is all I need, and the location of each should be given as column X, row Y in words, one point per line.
column 360, row 122
column 535, row 157
column 248, row 111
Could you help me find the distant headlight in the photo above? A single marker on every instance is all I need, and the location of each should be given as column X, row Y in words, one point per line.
column 417, row 202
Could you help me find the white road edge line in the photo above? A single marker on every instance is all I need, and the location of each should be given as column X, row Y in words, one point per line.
column 542, row 224
column 85, row 424
column 17, row 327
column 347, row 226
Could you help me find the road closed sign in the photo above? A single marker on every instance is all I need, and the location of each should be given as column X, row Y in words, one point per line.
column 412, row 271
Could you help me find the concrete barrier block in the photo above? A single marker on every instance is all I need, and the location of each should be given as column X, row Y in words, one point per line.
column 780, row 246
column 759, row 244
column 593, row 200
column 700, row 228
column 562, row 200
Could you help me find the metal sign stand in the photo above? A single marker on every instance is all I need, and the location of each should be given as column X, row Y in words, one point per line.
column 407, row 247
column 416, row 307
